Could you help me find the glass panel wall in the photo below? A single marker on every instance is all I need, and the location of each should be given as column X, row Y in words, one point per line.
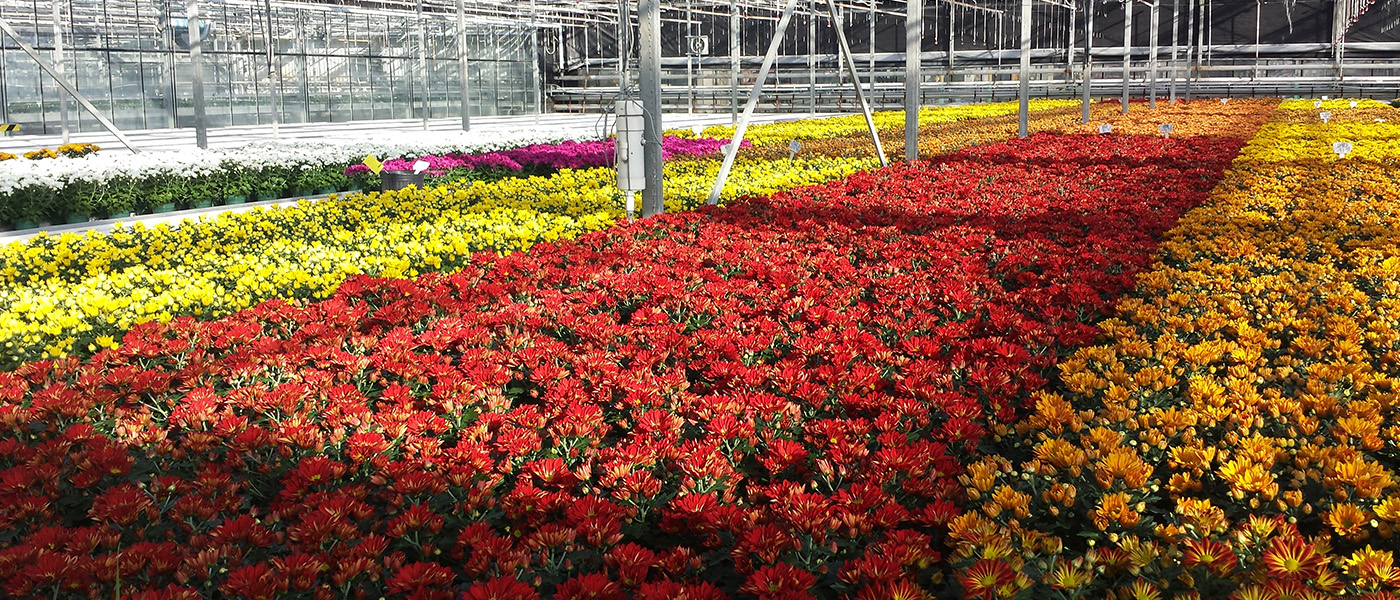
column 130, row 58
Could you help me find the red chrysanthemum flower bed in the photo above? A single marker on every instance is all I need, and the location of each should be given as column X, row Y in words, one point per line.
column 769, row 401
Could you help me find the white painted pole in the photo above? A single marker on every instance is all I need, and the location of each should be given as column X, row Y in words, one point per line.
column 913, row 55
column 1023, row 116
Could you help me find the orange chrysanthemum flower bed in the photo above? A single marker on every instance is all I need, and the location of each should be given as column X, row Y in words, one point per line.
column 1236, row 432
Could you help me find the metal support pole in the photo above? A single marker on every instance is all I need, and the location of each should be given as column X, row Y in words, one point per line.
column 871, row 57
column 423, row 63
column 57, row 77
column 271, row 67
column 1024, row 114
column 649, row 38
column 58, row 64
column 913, row 55
column 754, row 94
column 1127, row 49
column 1088, row 59
column 735, row 54
column 689, row 58
column 624, row 42
column 535, row 63
column 1152, row 59
column 1258, row 25
column 201, row 120
column 1069, row 45
column 812, row 58
column 850, row 63
column 952, row 35
column 462, row 66
column 1339, row 29
column 1176, row 41
column 1190, row 45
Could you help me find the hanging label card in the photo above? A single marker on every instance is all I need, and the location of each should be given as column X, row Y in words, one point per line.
column 1341, row 148
column 420, row 166
column 1166, row 129
column 1353, row 104
column 1106, row 128
column 1325, row 116
column 373, row 164
column 1317, row 104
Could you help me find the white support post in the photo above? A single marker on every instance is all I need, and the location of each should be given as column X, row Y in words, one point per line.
column 58, row 64
column 812, row 58
column 913, row 56
column 201, row 120
column 1024, row 114
column 1154, row 28
column 649, row 39
column 735, row 54
column 1088, row 59
column 423, row 63
column 1127, row 49
column 1258, row 31
column 1176, row 42
column 754, row 94
column 1190, row 46
column 462, row 65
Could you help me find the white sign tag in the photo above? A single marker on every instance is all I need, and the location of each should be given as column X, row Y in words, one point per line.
column 794, row 146
column 1325, row 116
column 1341, row 148
column 1166, row 129
column 698, row 129
column 1380, row 120
column 1325, row 98
column 1224, row 100
column 420, row 166
column 1317, row 104
column 1353, row 104
column 726, row 148
column 1106, row 128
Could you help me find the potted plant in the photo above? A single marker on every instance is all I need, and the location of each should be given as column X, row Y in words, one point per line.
column 238, row 187
column 270, row 184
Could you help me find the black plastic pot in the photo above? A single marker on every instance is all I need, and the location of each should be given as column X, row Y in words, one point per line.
column 397, row 180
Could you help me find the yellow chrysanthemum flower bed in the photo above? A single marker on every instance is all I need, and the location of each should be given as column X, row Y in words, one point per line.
column 1237, row 432
column 79, row 293
column 854, row 125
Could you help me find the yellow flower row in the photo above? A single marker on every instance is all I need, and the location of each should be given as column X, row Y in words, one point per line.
column 80, row 292
column 854, row 125
column 1237, row 432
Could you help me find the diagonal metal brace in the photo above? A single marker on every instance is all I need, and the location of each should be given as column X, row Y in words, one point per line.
column 768, row 61
column 34, row 54
column 850, row 63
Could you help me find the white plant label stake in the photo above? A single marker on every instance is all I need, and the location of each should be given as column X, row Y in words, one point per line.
column 1353, row 104
column 1166, row 130
column 1341, row 148
column 698, row 129
column 1224, row 100
column 420, row 166
column 1317, row 104
column 1325, row 116
column 793, row 148
column 1105, row 128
